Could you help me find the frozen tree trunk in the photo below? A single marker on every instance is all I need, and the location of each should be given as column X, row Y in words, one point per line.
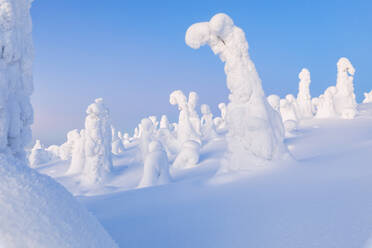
column 303, row 96
column 344, row 99
column 35, row 211
column 188, row 157
column 255, row 131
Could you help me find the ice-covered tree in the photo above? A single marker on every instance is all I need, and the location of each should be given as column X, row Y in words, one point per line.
column 65, row 150
column 92, row 153
column 274, row 101
column 193, row 115
column 156, row 166
column 117, row 144
column 325, row 104
column 147, row 136
column 35, row 211
column 207, row 124
column 38, row 155
column 367, row 97
column 220, row 122
column 255, row 131
column 185, row 129
column 303, row 96
column 344, row 98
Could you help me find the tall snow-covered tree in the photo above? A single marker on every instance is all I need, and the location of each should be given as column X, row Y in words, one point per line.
column 35, row 211
column 303, row 96
column 344, row 99
column 255, row 131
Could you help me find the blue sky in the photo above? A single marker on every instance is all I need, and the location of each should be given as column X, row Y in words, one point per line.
column 133, row 54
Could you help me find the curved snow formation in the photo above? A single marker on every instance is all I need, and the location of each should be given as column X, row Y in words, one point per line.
column 35, row 211
column 255, row 130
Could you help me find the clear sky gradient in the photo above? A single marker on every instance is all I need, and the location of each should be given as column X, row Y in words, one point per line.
column 133, row 54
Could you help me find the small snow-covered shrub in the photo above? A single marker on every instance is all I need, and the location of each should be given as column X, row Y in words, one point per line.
column 255, row 131
column 38, row 155
column 65, row 150
column 207, row 124
column 156, row 166
column 325, row 104
column 367, row 97
column 117, row 144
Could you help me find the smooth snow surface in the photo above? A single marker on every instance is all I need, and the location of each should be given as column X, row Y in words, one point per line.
column 322, row 200
column 255, row 131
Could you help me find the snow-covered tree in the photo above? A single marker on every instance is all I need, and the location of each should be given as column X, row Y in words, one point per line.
column 188, row 156
column 274, row 101
column 117, row 145
column 193, row 115
column 35, row 211
column 367, row 97
column 303, row 96
column 344, row 98
column 156, row 166
column 255, row 131
column 220, row 122
column 65, row 150
column 147, row 136
column 185, row 129
column 38, row 155
column 92, row 154
column 207, row 125
column 325, row 104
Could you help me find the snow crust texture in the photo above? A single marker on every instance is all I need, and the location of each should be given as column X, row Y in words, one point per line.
column 255, row 131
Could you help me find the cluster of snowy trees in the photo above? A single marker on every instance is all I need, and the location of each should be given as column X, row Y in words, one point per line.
column 336, row 101
column 160, row 145
column 253, row 125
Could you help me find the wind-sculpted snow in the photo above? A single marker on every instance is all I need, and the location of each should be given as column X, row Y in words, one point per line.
column 35, row 211
column 255, row 131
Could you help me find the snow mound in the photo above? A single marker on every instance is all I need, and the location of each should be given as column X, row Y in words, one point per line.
column 38, row 212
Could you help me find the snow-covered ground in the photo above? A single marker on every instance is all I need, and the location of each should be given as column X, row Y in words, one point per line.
column 320, row 199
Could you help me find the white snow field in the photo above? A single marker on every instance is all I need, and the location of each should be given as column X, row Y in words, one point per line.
column 236, row 180
column 323, row 199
